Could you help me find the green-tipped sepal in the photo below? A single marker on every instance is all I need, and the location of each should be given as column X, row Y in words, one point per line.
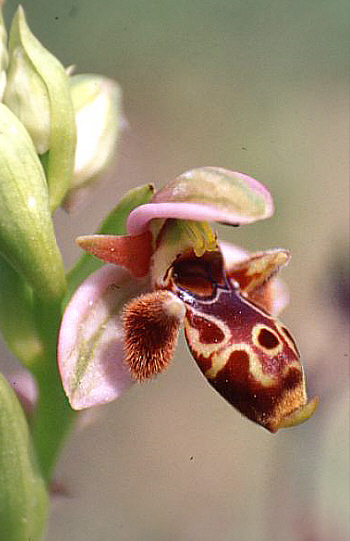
column 27, row 239
column 38, row 93
column 23, row 497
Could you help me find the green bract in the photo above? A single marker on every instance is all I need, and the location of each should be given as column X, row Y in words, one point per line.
column 44, row 105
column 27, row 239
column 23, row 498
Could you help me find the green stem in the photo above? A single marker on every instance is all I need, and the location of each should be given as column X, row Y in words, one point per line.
column 53, row 415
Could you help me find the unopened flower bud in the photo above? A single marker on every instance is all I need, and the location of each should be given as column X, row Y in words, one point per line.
column 98, row 116
column 27, row 97
column 38, row 94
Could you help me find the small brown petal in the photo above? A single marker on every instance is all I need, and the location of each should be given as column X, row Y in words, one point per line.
column 151, row 328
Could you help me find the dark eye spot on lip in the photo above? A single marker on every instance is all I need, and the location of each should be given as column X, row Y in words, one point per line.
column 267, row 339
column 197, row 285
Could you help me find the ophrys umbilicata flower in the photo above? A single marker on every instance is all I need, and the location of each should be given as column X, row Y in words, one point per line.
column 170, row 271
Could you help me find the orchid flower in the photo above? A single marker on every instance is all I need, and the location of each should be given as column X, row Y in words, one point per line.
column 170, row 271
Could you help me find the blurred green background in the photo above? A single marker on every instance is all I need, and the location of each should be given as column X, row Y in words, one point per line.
column 262, row 88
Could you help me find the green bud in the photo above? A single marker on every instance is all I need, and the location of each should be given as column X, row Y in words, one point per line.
column 27, row 238
column 3, row 54
column 98, row 116
column 26, row 95
column 23, row 497
column 38, row 93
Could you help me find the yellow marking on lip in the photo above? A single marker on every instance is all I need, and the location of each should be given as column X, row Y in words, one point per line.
column 220, row 359
column 193, row 334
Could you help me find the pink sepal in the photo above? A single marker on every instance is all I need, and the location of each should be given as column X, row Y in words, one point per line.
column 90, row 348
column 210, row 194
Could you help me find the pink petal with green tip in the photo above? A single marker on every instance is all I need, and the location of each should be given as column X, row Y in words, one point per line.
column 90, row 349
column 210, row 194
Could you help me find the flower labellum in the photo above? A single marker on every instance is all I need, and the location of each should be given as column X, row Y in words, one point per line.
column 246, row 354
column 222, row 296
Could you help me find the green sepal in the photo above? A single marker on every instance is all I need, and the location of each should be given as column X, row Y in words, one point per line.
column 115, row 224
column 23, row 497
column 62, row 139
column 27, row 238
column 17, row 316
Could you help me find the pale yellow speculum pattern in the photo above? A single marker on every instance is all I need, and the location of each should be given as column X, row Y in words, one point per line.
column 193, row 335
column 220, row 353
column 221, row 358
